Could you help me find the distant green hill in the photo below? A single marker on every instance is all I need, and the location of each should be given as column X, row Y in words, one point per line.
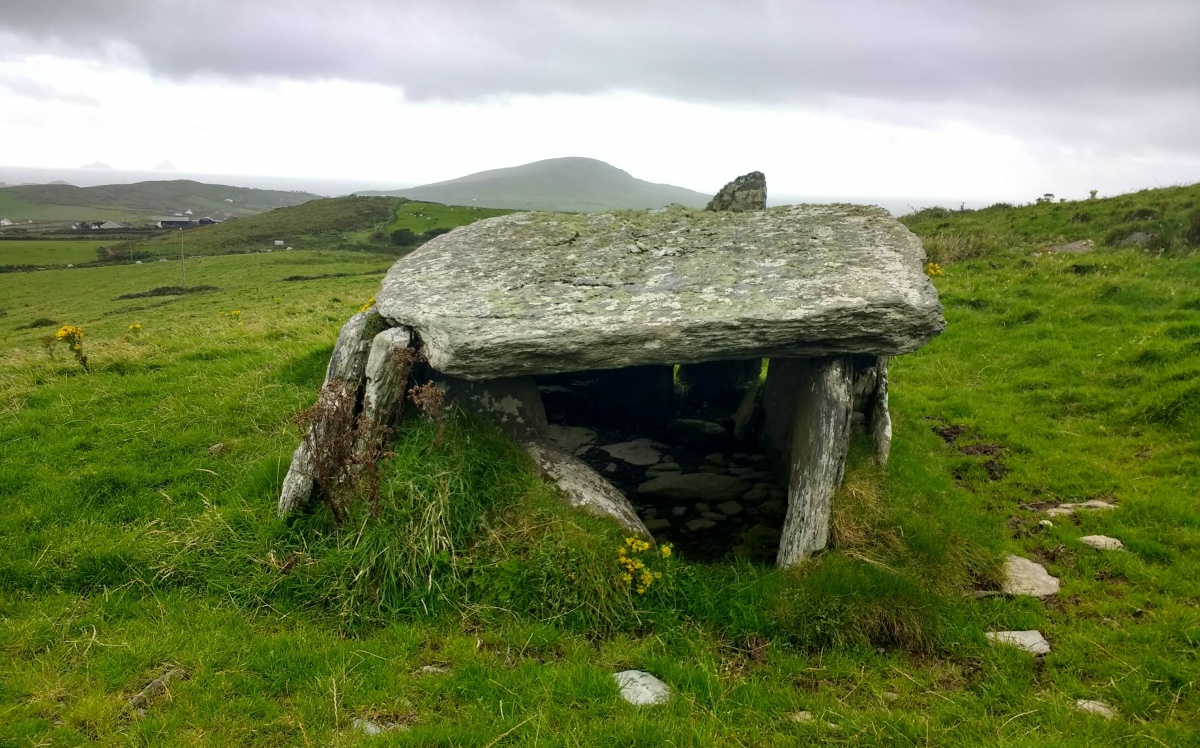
column 309, row 219
column 557, row 184
column 363, row 222
column 140, row 200
column 1164, row 220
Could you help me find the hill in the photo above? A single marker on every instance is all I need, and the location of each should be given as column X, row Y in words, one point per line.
column 573, row 184
column 140, row 200
column 313, row 218
column 335, row 221
column 1162, row 220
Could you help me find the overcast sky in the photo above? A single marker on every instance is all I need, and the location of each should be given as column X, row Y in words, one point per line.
column 961, row 99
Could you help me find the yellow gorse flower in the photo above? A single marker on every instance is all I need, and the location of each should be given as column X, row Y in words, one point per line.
column 370, row 303
column 933, row 269
column 634, row 570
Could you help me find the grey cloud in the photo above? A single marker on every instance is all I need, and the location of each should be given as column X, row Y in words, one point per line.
column 32, row 89
column 1022, row 61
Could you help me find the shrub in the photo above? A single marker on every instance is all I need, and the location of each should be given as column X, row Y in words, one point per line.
column 404, row 238
column 1191, row 234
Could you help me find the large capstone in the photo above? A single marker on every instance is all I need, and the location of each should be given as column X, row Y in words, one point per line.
column 539, row 293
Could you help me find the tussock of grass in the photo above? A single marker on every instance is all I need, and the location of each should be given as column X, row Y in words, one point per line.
column 167, row 291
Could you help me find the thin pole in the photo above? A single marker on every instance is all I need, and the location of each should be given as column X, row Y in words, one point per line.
column 182, row 262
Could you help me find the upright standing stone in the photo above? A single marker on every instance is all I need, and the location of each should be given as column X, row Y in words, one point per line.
column 747, row 192
column 386, row 376
column 513, row 404
column 346, row 371
column 881, row 415
column 819, row 440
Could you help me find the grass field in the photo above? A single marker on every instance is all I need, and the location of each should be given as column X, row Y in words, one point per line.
column 17, row 207
column 49, row 251
column 421, row 217
column 477, row 611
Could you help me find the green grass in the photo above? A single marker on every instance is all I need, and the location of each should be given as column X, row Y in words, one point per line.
column 16, row 206
column 318, row 222
column 1169, row 215
column 129, row 545
column 49, row 251
column 421, row 217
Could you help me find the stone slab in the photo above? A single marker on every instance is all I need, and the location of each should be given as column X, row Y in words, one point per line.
column 638, row 452
column 704, row 487
column 542, row 293
column 583, row 487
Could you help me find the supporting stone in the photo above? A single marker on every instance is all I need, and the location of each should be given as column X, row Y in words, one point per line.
column 881, row 416
column 584, row 488
column 389, row 362
column 870, row 391
column 346, row 371
column 513, row 404
column 818, row 442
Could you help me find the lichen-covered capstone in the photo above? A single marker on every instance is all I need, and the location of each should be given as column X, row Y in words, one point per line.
column 536, row 293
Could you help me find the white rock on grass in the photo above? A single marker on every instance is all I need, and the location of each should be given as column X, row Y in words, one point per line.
column 1095, row 707
column 1025, row 577
column 641, row 688
column 636, row 452
column 1092, row 505
column 1102, row 543
column 371, row 729
column 1030, row 641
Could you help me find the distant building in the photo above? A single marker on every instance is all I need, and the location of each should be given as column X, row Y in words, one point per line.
column 95, row 225
column 5, row 222
column 173, row 222
column 187, row 212
column 278, row 242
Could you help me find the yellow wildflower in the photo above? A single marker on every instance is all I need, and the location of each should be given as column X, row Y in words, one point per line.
column 370, row 303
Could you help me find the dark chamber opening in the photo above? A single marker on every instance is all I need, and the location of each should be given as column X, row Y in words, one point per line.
column 684, row 447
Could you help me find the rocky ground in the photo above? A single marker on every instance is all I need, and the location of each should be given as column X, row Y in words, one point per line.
column 692, row 484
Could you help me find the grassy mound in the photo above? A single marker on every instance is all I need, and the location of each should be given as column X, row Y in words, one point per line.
column 1159, row 220
column 139, row 535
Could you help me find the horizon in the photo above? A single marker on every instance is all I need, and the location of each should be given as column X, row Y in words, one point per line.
column 87, row 176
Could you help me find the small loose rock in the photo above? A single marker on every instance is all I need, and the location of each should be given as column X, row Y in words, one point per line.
column 641, row 688
column 1030, row 641
column 1102, row 543
column 1095, row 707
column 1025, row 577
